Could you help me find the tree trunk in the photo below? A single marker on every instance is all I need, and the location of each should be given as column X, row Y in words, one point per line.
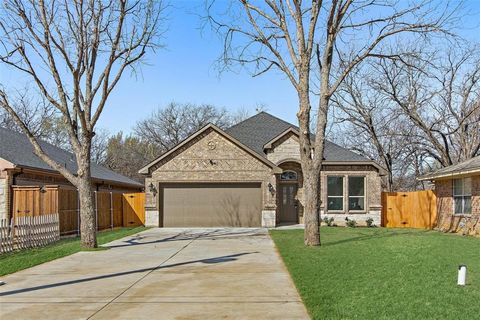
column 311, row 173
column 311, row 216
column 88, row 219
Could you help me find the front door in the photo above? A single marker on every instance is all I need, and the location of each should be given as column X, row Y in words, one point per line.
column 288, row 202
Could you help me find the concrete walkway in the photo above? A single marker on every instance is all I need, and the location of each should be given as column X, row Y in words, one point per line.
column 160, row 274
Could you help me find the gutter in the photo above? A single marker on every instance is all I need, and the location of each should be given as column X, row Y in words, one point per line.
column 449, row 175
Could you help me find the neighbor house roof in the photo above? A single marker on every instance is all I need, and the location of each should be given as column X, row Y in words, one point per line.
column 471, row 166
column 17, row 149
column 263, row 128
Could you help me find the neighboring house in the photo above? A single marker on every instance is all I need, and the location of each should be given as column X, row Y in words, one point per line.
column 19, row 166
column 250, row 175
column 457, row 189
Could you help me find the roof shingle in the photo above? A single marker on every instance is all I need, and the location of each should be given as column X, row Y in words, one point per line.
column 260, row 129
column 468, row 166
column 17, row 149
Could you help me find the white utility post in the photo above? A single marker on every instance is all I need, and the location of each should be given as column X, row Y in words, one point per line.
column 462, row 275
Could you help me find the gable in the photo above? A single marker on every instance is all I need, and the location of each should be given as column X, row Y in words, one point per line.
column 209, row 151
column 285, row 148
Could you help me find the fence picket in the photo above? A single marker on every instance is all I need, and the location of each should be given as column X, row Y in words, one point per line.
column 28, row 232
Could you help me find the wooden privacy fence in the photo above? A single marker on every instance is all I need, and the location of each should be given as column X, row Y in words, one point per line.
column 28, row 232
column 111, row 209
column 416, row 209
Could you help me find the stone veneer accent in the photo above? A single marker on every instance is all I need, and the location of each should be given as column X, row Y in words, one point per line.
column 151, row 218
column 447, row 221
column 268, row 218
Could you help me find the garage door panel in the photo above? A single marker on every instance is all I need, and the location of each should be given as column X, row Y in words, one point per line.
column 212, row 205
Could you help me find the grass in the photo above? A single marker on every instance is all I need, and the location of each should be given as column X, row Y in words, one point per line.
column 373, row 273
column 16, row 261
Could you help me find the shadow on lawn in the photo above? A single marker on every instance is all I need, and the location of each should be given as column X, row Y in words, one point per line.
column 215, row 260
column 379, row 234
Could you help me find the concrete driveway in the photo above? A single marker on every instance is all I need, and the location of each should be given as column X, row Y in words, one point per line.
column 160, row 274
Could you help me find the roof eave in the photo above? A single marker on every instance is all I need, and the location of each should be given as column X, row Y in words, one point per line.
column 94, row 179
column 369, row 162
column 449, row 175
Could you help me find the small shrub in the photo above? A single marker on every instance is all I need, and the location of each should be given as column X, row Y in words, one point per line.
column 369, row 222
column 351, row 223
column 328, row 221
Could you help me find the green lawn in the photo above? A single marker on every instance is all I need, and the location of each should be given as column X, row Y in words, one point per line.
column 379, row 273
column 16, row 261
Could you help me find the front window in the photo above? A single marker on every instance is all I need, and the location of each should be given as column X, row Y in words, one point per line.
column 356, row 193
column 335, row 193
column 462, row 195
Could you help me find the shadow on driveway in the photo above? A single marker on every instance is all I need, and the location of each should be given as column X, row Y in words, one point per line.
column 186, row 235
column 221, row 259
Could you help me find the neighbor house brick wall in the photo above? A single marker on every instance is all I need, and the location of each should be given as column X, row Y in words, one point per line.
column 210, row 157
column 3, row 198
column 446, row 219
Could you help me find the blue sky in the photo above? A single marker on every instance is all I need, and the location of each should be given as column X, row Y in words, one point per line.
column 184, row 71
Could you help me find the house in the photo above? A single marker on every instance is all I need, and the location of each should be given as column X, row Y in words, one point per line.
column 250, row 175
column 21, row 168
column 457, row 189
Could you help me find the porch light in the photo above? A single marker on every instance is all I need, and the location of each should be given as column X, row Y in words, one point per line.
column 152, row 189
column 271, row 188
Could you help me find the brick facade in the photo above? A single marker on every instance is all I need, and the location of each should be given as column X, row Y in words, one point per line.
column 211, row 157
column 447, row 221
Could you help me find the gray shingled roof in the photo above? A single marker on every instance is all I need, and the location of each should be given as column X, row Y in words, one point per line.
column 468, row 166
column 17, row 149
column 260, row 129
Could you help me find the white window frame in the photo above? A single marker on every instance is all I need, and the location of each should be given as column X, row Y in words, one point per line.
column 463, row 196
column 343, row 194
column 364, row 194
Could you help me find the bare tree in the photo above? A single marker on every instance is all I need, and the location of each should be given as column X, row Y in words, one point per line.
column 35, row 113
column 167, row 127
column 127, row 154
column 75, row 53
column 316, row 45
column 442, row 100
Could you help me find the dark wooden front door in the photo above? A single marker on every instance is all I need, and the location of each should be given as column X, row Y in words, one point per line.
column 288, row 202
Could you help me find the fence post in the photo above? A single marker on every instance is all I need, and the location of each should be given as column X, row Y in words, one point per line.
column 111, row 210
column 96, row 209
column 78, row 213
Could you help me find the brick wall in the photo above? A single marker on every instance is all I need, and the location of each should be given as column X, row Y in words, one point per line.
column 212, row 158
column 3, row 198
column 447, row 221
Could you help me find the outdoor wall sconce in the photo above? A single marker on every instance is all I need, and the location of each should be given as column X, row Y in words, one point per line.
column 271, row 188
column 152, row 189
